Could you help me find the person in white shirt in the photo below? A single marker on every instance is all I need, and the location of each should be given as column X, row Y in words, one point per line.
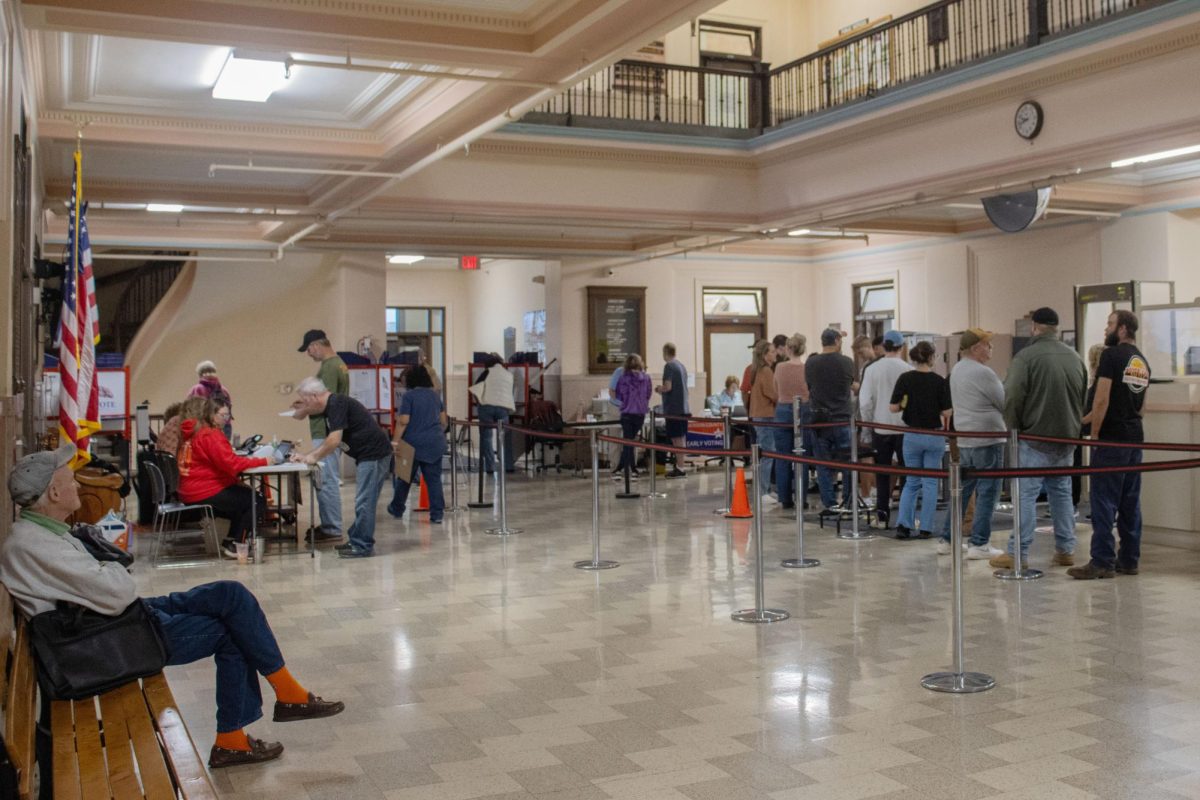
column 494, row 391
column 873, row 400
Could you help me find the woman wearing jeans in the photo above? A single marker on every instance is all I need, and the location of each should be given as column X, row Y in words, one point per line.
column 762, row 409
column 790, row 384
column 634, row 390
column 922, row 398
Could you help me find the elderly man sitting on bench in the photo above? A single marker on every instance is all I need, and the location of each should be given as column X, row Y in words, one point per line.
column 42, row 563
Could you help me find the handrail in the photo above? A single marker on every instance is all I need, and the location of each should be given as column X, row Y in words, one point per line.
column 943, row 35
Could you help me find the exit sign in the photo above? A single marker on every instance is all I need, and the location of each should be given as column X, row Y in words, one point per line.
column 468, row 262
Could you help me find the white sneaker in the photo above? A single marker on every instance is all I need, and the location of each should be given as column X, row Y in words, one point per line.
column 943, row 547
column 769, row 500
column 982, row 552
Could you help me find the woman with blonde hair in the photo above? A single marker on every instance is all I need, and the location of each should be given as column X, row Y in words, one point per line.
column 762, row 409
column 790, row 383
column 634, row 390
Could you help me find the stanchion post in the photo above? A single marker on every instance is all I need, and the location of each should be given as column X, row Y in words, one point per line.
column 453, row 467
column 501, row 486
column 1018, row 571
column 478, row 503
column 760, row 613
column 854, row 534
column 799, row 562
column 959, row 681
column 727, row 441
column 652, row 458
column 595, row 562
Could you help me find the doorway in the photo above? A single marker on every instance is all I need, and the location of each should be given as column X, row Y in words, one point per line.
column 734, row 319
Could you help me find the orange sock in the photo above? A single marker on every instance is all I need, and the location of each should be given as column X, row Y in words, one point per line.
column 287, row 689
column 234, row 740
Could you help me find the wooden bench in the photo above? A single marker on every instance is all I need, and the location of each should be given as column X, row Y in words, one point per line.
column 127, row 743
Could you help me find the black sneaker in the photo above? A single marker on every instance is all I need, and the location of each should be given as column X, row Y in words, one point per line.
column 324, row 536
column 676, row 473
column 228, row 549
column 903, row 532
column 924, row 535
column 344, row 546
column 1090, row 571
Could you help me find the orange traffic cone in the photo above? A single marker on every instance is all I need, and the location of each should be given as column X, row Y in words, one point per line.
column 423, row 502
column 741, row 500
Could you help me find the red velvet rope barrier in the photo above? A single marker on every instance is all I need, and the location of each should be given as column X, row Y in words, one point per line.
column 565, row 437
column 875, row 469
column 747, row 423
column 1166, row 446
column 880, row 426
column 1058, row 472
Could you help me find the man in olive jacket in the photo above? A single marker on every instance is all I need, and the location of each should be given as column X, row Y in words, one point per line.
column 1044, row 394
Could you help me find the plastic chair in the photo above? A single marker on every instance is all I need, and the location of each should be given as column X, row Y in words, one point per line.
column 168, row 517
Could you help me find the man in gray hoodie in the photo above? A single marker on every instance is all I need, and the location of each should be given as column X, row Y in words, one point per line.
column 1044, row 394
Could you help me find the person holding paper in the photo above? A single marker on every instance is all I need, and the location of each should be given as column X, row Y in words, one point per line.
column 420, row 426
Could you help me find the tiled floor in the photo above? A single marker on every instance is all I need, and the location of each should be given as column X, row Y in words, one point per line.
column 481, row 667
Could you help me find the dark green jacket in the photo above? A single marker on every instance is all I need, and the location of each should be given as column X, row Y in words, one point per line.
column 1045, row 388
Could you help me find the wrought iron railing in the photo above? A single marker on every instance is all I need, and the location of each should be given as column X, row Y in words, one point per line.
column 669, row 93
column 933, row 39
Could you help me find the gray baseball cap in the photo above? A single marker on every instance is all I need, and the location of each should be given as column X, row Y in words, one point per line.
column 31, row 475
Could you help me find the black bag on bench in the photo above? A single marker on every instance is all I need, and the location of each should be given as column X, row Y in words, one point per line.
column 80, row 653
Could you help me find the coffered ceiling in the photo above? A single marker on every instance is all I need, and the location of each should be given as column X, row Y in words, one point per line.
column 135, row 79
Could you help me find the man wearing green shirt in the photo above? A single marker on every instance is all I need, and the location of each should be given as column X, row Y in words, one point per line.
column 336, row 377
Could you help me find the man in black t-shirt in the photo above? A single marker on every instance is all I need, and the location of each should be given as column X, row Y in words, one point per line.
column 830, row 377
column 352, row 428
column 1116, row 416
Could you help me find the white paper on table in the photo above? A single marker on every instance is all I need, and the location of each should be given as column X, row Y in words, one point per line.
column 291, row 412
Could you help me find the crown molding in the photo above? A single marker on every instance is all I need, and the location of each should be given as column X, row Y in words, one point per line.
column 423, row 15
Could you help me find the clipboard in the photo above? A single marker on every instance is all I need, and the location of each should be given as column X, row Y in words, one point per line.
column 406, row 459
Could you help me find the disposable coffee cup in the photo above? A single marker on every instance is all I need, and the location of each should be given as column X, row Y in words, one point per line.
column 243, row 552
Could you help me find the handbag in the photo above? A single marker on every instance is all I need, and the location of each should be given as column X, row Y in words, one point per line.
column 80, row 653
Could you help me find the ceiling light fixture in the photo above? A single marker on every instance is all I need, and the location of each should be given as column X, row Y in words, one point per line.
column 164, row 208
column 800, row 232
column 1160, row 156
column 404, row 259
column 250, row 77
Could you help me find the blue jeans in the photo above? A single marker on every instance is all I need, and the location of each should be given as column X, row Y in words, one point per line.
column 921, row 451
column 828, row 444
column 631, row 426
column 1058, row 493
column 487, row 436
column 785, row 442
column 223, row 620
column 989, row 456
column 766, row 442
column 432, row 472
column 371, row 475
column 329, row 494
column 1116, row 498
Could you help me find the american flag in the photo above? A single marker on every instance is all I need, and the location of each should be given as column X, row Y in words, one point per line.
column 78, row 332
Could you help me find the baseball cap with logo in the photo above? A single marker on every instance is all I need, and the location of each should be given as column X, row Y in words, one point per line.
column 972, row 337
column 32, row 474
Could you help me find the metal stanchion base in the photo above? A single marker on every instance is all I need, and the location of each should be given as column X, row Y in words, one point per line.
column 502, row 531
column 1013, row 575
column 860, row 537
column 627, row 495
column 596, row 564
column 958, row 682
column 655, row 494
column 476, row 504
column 754, row 615
column 799, row 563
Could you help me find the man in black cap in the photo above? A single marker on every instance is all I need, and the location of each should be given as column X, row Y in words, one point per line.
column 336, row 377
column 1044, row 393
column 830, row 377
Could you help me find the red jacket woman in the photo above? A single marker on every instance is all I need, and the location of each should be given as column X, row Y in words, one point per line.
column 209, row 469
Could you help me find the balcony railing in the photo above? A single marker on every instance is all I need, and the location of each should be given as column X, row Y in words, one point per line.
column 939, row 37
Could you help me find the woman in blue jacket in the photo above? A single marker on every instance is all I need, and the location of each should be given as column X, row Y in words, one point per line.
column 422, row 424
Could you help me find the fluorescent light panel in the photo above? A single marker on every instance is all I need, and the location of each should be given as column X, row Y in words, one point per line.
column 1161, row 156
column 164, row 208
column 398, row 258
column 800, row 232
column 250, row 79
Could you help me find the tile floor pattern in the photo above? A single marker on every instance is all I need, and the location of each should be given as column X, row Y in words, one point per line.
column 480, row 667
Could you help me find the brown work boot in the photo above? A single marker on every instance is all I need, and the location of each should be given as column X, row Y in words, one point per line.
column 1002, row 561
column 1090, row 571
column 1063, row 559
column 1126, row 570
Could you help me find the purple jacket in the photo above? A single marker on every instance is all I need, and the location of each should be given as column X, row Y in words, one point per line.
column 634, row 391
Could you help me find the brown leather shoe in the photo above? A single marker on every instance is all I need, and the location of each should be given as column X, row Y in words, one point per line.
column 1063, row 559
column 1090, row 572
column 259, row 752
column 315, row 708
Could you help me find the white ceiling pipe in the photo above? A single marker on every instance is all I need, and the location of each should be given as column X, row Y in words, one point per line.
column 421, row 73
